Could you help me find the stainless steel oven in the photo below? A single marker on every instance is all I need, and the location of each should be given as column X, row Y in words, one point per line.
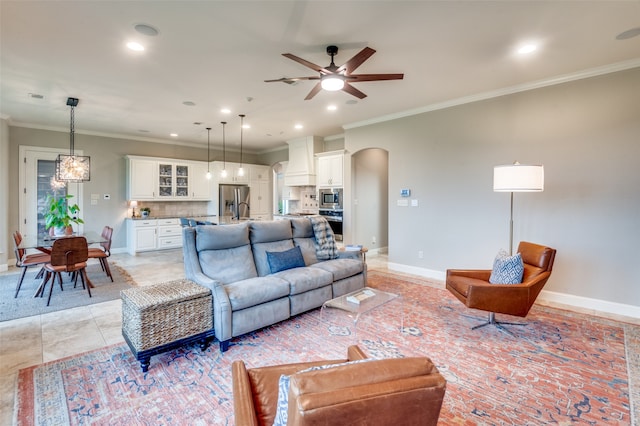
column 330, row 198
column 334, row 217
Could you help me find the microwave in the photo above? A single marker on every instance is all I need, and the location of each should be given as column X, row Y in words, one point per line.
column 330, row 198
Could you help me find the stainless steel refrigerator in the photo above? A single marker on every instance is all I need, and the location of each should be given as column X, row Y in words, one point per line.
column 234, row 201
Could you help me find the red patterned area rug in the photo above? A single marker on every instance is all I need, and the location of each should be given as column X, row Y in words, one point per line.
column 562, row 368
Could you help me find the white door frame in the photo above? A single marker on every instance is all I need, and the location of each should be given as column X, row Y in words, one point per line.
column 27, row 186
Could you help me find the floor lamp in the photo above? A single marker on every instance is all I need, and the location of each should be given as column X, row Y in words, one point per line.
column 517, row 177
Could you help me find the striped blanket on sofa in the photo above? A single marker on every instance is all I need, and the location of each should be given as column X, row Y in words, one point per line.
column 325, row 241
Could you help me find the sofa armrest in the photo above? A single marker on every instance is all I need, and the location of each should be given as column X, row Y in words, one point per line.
column 354, row 353
column 243, row 408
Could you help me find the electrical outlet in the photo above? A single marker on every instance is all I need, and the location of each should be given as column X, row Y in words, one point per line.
column 420, row 254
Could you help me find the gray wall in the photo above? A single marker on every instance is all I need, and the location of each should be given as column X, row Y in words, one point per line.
column 587, row 135
column 6, row 244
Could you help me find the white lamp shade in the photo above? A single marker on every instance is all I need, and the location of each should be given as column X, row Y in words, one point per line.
column 133, row 204
column 518, row 178
column 332, row 83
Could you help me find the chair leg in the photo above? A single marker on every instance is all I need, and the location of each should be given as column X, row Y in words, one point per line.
column 24, row 271
column 43, row 284
column 40, row 273
column 59, row 280
column 85, row 278
column 53, row 282
column 499, row 324
column 106, row 267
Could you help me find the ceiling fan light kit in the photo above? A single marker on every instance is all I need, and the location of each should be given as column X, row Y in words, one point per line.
column 334, row 78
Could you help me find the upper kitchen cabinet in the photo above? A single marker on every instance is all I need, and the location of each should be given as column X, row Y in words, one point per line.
column 233, row 172
column 166, row 179
column 301, row 168
column 260, row 173
column 330, row 169
column 141, row 178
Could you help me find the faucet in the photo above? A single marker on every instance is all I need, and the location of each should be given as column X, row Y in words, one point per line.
column 238, row 209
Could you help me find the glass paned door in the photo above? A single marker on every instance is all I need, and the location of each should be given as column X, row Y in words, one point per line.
column 165, row 180
column 46, row 185
column 182, row 181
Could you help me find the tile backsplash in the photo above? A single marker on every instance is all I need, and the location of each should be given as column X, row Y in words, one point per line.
column 175, row 208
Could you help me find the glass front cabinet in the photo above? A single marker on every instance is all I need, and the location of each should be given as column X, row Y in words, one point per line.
column 173, row 180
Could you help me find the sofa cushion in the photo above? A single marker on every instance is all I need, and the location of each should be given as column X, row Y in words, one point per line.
column 308, row 248
column 304, row 279
column 254, row 291
column 301, row 228
column 221, row 237
column 228, row 265
column 341, row 268
column 260, row 254
column 268, row 231
column 283, row 260
column 507, row 269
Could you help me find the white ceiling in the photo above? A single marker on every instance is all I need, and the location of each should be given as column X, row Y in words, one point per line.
column 217, row 54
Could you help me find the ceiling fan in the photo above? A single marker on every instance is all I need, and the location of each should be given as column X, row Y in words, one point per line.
column 334, row 78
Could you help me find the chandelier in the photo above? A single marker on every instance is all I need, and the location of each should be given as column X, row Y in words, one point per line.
column 73, row 168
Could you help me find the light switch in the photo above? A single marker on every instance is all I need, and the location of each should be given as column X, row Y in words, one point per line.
column 414, row 203
column 94, row 202
column 403, row 203
column 95, row 196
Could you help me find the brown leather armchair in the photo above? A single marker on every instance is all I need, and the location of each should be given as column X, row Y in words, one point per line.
column 472, row 287
column 407, row 391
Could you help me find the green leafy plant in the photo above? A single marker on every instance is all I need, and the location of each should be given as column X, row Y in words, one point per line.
column 145, row 209
column 60, row 213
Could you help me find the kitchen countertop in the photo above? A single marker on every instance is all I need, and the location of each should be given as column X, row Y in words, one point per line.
column 171, row 217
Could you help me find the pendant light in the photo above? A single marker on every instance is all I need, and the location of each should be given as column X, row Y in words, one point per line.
column 224, row 153
column 241, row 170
column 208, row 151
column 73, row 168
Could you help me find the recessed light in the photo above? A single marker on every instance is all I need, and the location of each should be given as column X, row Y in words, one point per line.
column 189, row 103
column 332, row 107
column 225, row 111
column 246, row 126
column 174, row 135
column 527, row 48
column 137, row 47
column 298, row 126
column 145, row 29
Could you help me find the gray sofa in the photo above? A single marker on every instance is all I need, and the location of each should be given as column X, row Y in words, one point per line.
column 232, row 261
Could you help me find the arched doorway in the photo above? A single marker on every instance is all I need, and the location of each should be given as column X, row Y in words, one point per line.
column 370, row 199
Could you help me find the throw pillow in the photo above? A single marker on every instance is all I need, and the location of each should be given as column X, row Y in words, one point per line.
column 507, row 269
column 283, row 260
column 283, row 390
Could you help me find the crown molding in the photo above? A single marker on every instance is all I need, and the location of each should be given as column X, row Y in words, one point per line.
column 565, row 78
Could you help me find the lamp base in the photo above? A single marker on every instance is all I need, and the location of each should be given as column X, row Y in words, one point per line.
column 499, row 324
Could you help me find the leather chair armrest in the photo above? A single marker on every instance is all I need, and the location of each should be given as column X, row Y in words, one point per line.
column 243, row 407
column 479, row 274
column 354, row 353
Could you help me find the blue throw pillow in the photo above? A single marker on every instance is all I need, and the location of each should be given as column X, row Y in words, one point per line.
column 507, row 269
column 283, row 260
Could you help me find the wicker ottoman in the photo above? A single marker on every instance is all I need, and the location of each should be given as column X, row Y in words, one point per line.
column 164, row 316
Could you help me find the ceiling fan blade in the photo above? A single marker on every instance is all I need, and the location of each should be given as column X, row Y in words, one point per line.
column 352, row 91
column 357, row 60
column 292, row 79
column 313, row 91
column 374, row 77
column 306, row 63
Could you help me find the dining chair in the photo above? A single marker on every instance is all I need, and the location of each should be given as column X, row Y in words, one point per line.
column 103, row 253
column 68, row 254
column 24, row 260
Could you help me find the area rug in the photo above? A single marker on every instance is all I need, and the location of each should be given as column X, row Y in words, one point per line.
column 25, row 305
column 562, row 368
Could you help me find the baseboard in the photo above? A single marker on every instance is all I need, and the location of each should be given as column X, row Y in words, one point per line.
column 119, row 250
column 569, row 301
column 595, row 305
column 379, row 250
column 4, row 267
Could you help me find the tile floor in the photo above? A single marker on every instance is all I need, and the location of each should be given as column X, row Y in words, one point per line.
column 29, row 341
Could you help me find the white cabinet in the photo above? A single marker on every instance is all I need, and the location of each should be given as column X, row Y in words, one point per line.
column 169, row 233
column 290, row 193
column 141, row 235
column 166, row 179
column 141, row 179
column 233, row 174
column 173, row 181
column 260, row 173
column 200, row 188
column 260, row 200
column 153, row 234
column 301, row 168
column 330, row 169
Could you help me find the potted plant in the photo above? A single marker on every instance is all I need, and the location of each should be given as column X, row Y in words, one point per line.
column 145, row 212
column 60, row 214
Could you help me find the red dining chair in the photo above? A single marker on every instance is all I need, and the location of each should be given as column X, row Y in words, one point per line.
column 103, row 253
column 68, row 254
column 24, row 260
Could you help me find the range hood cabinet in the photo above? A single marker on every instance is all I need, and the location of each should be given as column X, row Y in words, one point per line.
column 301, row 170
